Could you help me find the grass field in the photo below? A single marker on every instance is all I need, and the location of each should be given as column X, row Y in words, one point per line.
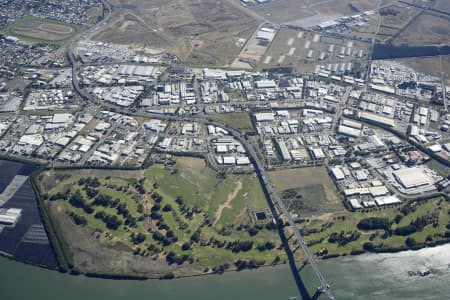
column 346, row 222
column 198, row 32
column 313, row 187
column 37, row 30
column 219, row 211
column 427, row 29
column 429, row 65
column 238, row 120
column 282, row 11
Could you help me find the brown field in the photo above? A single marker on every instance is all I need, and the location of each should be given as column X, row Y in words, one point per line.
column 198, row 32
column 313, row 182
column 282, row 11
column 398, row 15
column 429, row 65
column 428, row 29
column 443, row 5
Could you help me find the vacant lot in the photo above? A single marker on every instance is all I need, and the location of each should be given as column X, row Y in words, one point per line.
column 198, row 32
column 427, row 29
column 238, row 120
column 442, row 5
column 309, row 189
column 398, row 15
column 171, row 217
column 41, row 30
column 429, row 65
column 283, row 11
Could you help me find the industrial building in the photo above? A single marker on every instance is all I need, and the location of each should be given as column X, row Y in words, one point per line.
column 10, row 216
column 412, row 177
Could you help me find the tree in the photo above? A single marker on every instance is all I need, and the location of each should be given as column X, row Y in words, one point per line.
column 167, row 208
column 374, row 223
column 410, row 242
column 137, row 238
column 405, row 230
column 369, row 247
column 186, row 246
column 77, row 199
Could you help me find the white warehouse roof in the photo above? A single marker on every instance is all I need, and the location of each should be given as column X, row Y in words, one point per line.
column 412, row 177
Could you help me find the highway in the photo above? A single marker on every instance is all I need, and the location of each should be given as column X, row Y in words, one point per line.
column 262, row 173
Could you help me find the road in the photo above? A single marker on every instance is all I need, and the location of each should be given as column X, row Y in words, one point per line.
column 262, row 173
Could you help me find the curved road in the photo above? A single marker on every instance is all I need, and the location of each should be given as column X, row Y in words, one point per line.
column 263, row 175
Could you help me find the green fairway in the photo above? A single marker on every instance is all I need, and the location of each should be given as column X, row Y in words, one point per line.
column 180, row 212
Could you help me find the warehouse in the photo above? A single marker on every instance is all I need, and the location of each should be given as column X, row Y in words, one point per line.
column 348, row 131
column 10, row 216
column 337, row 173
column 412, row 177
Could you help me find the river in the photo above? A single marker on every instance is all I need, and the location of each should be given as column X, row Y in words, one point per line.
column 380, row 276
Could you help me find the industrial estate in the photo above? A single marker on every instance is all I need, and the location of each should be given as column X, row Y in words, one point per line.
column 152, row 139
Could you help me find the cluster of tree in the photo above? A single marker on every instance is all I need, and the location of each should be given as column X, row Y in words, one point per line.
column 195, row 237
column 123, row 211
column 139, row 186
column 344, row 238
column 58, row 196
column 238, row 246
column 154, row 249
column 374, row 223
column 79, row 220
column 266, row 246
column 186, row 211
column 186, row 246
column 172, row 258
column 77, row 200
column 248, row 264
column 137, row 238
column 91, row 182
column 389, row 11
column 105, row 201
column 221, row 269
column 417, row 225
column 225, row 231
column 111, row 221
column 252, row 231
column 156, row 197
column 90, row 191
column 167, row 239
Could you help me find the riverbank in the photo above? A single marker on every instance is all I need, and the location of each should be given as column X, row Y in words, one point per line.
column 368, row 276
column 64, row 255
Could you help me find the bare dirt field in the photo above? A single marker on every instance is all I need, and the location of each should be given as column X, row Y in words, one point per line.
column 198, row 32
column 427, row 29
